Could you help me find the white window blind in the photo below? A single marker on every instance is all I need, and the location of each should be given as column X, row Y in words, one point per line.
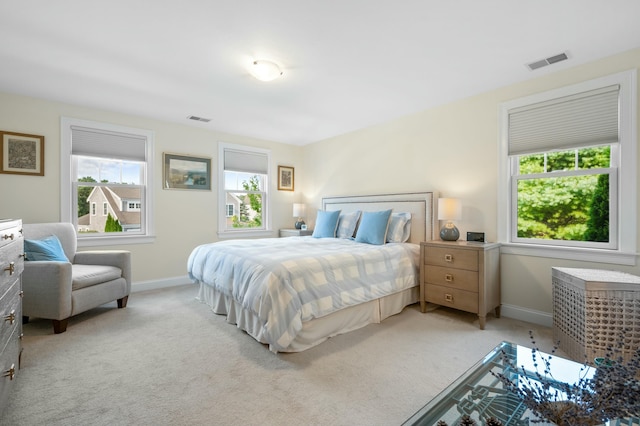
column 106, row 144
column 245, row 161
column 583, row 119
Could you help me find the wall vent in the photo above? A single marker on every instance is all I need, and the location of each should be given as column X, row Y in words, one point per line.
column 547, row 61
column 193, row 117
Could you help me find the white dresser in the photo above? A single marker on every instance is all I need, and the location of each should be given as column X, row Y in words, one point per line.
column 11, row 266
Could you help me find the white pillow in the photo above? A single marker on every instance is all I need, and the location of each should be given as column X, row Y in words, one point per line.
column 399, row 228
column 347, row 224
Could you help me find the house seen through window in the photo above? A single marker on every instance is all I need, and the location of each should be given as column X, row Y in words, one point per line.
column 244, row 181
column 108, row 167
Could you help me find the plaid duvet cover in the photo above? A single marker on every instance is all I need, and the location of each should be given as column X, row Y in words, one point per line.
column 287, row 281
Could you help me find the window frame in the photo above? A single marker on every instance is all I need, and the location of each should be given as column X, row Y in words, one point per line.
column 68, row 204
column 625, row 160
column 223, row 232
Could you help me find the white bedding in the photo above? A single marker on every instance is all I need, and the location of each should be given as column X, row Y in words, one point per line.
column 286, row 282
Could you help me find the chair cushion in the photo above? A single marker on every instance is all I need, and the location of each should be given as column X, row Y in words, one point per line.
column 87, row 275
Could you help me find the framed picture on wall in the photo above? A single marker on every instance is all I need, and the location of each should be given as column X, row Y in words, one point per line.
column 21, row 154
column 285, row 178
column 186, row 172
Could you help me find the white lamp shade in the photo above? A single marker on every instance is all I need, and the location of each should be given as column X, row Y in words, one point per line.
column 298, row 210
column 449, row 209
column 265, row 70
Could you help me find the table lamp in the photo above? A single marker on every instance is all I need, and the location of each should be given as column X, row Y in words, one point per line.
column 449, row 209
column 298, row 212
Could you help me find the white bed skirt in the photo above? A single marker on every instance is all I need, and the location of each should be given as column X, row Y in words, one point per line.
column 315, row 331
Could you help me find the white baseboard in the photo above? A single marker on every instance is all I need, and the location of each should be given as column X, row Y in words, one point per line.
column 158, row 284
column 528, row 315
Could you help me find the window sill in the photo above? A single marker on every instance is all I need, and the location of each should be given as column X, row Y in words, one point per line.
column 114, row 241
column 571, row 253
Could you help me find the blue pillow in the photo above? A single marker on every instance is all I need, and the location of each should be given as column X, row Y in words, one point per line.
column 46, row 249
column 373, row 227
column 326, row 224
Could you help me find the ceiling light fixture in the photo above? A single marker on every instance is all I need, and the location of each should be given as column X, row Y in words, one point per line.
column 265, row 70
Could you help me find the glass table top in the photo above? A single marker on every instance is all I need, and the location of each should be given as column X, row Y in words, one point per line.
column 480, row 395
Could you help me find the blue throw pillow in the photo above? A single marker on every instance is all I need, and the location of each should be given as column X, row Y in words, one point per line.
column 326, row 224
column 373, row 227
column 48, row 248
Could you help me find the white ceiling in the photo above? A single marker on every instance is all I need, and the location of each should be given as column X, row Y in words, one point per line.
column 347, row 64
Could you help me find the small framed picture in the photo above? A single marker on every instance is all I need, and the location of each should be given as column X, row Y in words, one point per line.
column 186, row 172
column 21, row 154
column 285, row 178
column 303, row 227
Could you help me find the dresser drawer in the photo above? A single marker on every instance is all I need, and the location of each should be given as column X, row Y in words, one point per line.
column 452, row 297
column 449, row 277
column 9, row 365
column 10, row 232
column 11, row 263
column 10, row 312
column 451, row 258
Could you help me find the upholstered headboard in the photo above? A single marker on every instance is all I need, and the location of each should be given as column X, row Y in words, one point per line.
column 419, row 204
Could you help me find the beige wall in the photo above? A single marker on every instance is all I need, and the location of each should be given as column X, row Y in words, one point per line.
column 183, row 219
column 452, row 149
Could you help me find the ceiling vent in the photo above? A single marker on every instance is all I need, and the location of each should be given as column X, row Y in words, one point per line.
column 548, row 61
column 204, row 120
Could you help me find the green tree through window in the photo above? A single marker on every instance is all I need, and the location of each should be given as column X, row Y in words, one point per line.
column 558, row 200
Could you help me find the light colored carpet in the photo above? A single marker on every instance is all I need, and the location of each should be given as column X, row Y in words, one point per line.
column 168, row 360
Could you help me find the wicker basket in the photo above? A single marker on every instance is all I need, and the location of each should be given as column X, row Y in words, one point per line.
column 591, row 308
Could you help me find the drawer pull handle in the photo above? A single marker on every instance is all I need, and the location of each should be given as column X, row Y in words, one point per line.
column 448, row 297
column 10, row 372
column 448, row 258
column 11, row 268
column 11, row 318
column 7, row 236
column 448, row 278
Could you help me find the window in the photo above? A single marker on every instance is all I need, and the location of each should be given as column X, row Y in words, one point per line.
column 566, row 197
column 567, row 169
column 107, row 164
column 244, row 181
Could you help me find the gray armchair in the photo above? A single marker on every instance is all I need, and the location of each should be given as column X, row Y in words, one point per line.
column 60, row 290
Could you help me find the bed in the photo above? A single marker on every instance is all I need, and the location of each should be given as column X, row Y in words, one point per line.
column 296, row 292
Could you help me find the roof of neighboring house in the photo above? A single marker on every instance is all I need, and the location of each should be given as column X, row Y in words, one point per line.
column 125, row 192
column 84, row 220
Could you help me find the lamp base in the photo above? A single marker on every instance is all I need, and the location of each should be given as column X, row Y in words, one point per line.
column 449, row 232
column 299, row 224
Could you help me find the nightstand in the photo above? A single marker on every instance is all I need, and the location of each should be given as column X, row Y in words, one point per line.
column 295, row 232
column 461, row 275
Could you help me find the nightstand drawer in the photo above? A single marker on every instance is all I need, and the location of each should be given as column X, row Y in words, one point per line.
column 452, row 258
column 449, row 277
column 452, row 297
